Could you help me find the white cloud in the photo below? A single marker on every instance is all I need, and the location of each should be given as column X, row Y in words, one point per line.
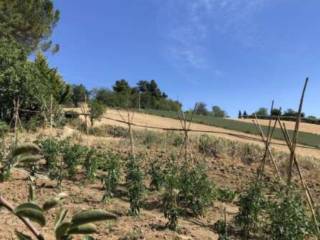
column 193, row 21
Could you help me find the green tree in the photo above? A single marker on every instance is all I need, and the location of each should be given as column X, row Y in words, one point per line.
column 121, row 86
column 28, row 22
column 79, row 94
column 201, row 108
column 262, row 112
column 218, row 112
column 97, row 109
column 276, row 112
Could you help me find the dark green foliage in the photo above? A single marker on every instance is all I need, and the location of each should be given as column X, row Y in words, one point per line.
column 170, row 206
column 91, row 163
column 111, row 179
column 218, row 112
column 4, row 128
column 157, row 175
column 289, row 220
column 146, row 95
column 196, row 191
column 201, row 109
column 226, row 195
column 97, row 109
column 135, row 185
column 51, row 150
column 72, row 155
column 33, row 83
column 79, row 94
column 221, row 228
column 28, row 22
column 251, row 205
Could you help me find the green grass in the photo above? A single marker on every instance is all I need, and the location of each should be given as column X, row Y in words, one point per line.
column 304, row 138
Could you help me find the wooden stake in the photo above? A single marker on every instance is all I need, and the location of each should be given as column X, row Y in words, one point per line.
column 295, row 134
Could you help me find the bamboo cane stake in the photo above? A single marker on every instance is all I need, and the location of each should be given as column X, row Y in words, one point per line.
column 267, row 150
column 295, row 134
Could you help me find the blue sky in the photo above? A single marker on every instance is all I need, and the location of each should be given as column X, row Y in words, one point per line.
column 238, row 54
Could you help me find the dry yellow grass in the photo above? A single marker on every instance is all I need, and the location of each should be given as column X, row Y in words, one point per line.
column 304, row 127
column 157, row 121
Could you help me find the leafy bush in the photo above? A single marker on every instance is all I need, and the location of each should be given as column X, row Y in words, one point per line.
column 97, row 109
column 51, row 151
column 196, row 191
column 157, row 175
column 251, row 205
column 135, row 185
column 221, row 228
column 72, row 155
column 169, row 200
column 289, row 219
column 112, row 167
column 91, row 163
column 210, row 146
column 4, row 128
column 225, row 195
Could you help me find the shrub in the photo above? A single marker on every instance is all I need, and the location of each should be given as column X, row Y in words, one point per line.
column 51, row 150
column 157, row 175
column 96, row 110
column 170, row 207
column 4, row 128
column 289, row 219
column 210, row 146
column 135, row 185
column 91, row 164
column 110, row 181
column 221, row 228
column 72, row 155
column 196, row 191
column 226, row 195
column 251, row 205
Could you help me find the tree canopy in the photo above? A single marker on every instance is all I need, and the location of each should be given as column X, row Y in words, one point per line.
column 29, row 23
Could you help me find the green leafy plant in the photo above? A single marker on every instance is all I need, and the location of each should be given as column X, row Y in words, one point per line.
column 111, row 179
column 91, row 164
column 226, row 195
column 289, row 219
column 27, row 155
column 51, row 150
column 221, row 228
column 170, row 206
column 80, row 223
column 135, row 185
column 72, row 155
column 157, row 175
column 251, row 205
column 196, row 191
